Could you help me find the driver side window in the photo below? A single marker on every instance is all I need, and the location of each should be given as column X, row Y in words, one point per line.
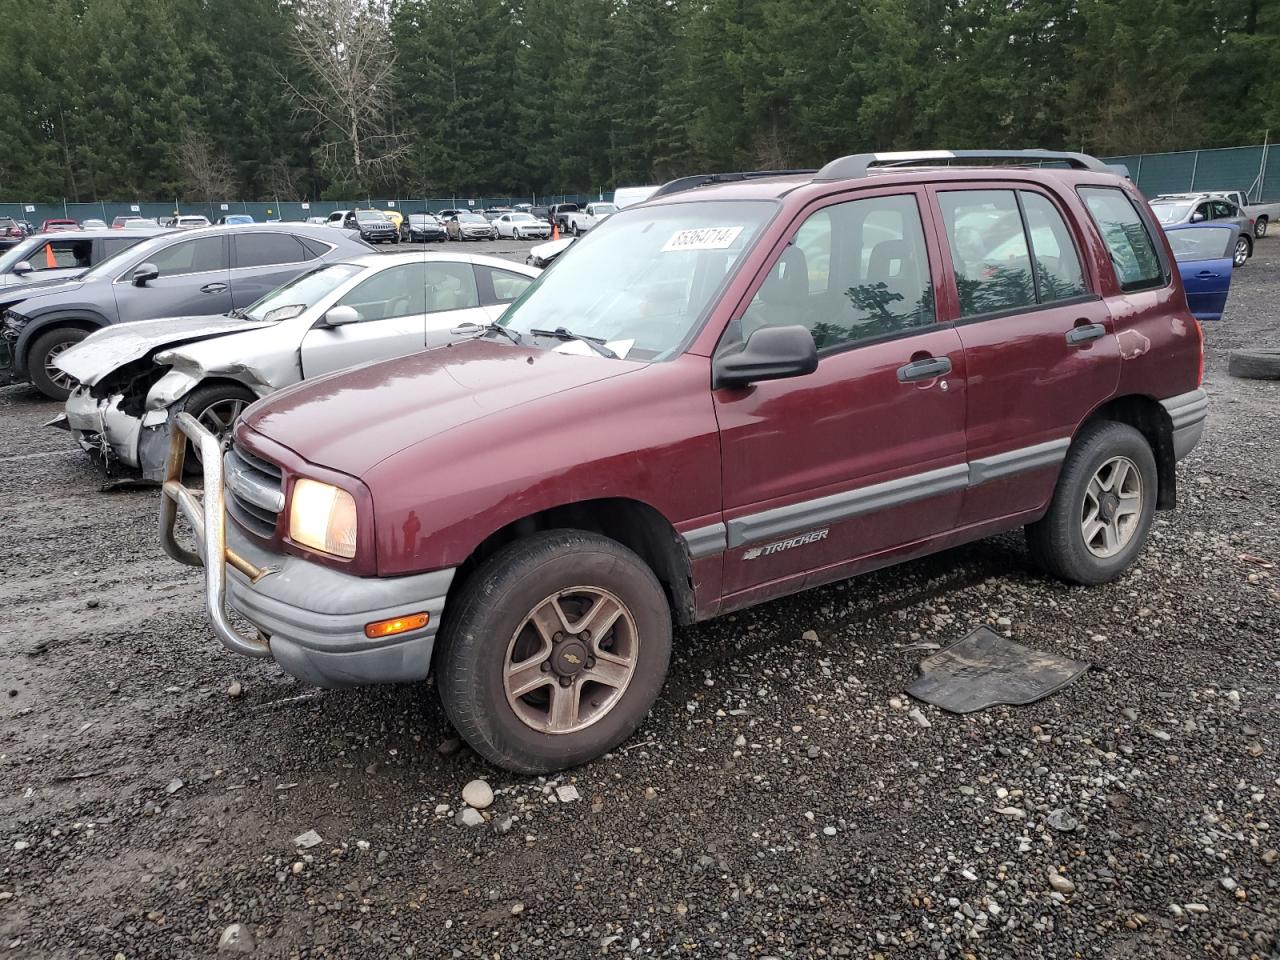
column 395, row 292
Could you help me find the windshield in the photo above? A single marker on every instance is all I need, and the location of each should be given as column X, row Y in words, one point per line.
column 643, row 284
column 471, row 218
column 302, row 292
column 521, row 218
column 369, row 215
column 1201, row 243
column 1170, row 212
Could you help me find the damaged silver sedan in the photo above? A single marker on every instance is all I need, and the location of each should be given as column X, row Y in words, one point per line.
column 134, row 376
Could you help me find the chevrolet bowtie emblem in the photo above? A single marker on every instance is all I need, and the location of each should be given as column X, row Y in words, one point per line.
column 572, row 658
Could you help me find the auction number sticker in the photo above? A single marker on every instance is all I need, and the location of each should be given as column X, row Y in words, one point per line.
column 702, row 238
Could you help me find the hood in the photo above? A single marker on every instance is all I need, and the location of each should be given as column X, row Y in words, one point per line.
column 112, row 347
column 36, row 292
column 15, row 284
column 351, row 420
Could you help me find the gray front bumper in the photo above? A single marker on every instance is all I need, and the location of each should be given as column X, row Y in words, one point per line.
column 1187, row 413
column 315, row 617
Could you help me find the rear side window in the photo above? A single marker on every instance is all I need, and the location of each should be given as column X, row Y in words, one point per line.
column 1058, row 274
column 265, row 249
column 1133, row 254
column 989, row 251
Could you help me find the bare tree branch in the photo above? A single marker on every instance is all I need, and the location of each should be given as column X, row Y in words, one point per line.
column 206, row 172
column 345, row 49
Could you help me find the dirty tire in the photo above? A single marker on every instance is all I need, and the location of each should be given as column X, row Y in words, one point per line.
column 1255, row 364
column 48, row 343
column 494, row 603
column 1260, row 228
column 1056, row 541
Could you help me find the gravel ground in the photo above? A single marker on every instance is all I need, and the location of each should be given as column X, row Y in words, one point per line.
column 781, row 801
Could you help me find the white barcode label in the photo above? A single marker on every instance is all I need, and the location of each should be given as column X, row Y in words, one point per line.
column 702, row 238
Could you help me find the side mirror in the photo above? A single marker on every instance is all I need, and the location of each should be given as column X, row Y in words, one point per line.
column 770, row 353
column 341, row 316
column 1197, row 217
column 144, row 273
column 23, row 267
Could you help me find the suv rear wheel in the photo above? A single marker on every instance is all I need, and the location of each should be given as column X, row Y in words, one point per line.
column 1102, row 507
column 1244, row 250
column 554, row 651
column 47, row 378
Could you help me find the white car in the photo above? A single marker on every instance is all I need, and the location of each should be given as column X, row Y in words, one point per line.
column 188, row 222
column 135, row 376
column 580, row 221
column 522, row 226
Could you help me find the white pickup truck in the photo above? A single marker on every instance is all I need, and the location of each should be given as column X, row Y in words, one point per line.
column 1262, row 214
column 580, row 221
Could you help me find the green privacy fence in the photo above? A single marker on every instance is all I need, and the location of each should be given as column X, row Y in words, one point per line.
column 293, row 210
column 1255, row 170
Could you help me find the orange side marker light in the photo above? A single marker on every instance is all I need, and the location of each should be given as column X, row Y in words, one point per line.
column 389, row 628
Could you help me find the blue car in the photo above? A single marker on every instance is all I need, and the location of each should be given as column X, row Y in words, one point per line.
column 1205, row 255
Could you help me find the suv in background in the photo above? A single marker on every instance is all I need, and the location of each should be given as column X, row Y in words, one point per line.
column 175, row 274
column 43, row 259
column 558, row 215
column 371, row 225
column 746, row 386
column 1175, row 208
column 58, row 225
column 11, row 232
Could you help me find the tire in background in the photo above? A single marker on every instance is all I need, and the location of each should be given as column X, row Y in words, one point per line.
column 1261, row 364
column 46, row 346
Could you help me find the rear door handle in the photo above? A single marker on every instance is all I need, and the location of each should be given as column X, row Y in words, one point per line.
column 1085, row 333
column 1207, row 274
column 213, row 288
column 926, row 369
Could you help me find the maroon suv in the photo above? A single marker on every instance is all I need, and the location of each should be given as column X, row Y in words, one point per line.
column 744, row 387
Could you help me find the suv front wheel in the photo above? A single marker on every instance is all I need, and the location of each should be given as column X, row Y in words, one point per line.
column 47, row 378
column 554, row 651
column 1102, row 507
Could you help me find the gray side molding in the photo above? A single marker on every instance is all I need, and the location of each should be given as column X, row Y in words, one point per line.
column 1187, row 409
column 847, row 504
column 1017, row 461
column 705, row 541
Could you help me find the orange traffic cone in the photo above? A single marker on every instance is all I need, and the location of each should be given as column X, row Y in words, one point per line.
column 555, row 231
column 49, row 261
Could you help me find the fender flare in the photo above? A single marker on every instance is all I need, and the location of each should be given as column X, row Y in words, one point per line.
column 82, row 319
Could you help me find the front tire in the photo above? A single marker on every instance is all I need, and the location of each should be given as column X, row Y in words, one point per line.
column 1102, row 507
column 47, row 378
column 554, row 651
column 216, row 406
column 1260, row 227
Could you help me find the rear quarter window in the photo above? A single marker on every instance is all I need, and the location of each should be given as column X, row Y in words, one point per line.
column 1133, row 252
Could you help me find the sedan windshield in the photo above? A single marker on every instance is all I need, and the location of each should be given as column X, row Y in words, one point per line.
column 643, row 285
column 471, row 218
column 1170, row 212
column 521, row 218
column 302, row 292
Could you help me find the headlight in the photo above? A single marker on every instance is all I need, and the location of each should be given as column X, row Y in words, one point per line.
column 323, row 517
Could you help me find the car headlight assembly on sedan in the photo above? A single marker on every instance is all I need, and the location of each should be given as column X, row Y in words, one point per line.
column 323, row 517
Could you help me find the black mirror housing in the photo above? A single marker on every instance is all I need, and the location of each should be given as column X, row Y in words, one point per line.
column 770, row 353
column 144, row 273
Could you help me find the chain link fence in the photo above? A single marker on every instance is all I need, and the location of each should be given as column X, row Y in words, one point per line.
column 1255, row 170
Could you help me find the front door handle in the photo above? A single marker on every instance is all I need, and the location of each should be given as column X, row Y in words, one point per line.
column 1207, row 274
column 1085, row 333
column 213, row 288
column 929, row 368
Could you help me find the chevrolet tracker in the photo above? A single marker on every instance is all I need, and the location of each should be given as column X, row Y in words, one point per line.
column 746, row 386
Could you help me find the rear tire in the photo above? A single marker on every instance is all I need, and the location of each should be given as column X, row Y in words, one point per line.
column 1260, row 227
column 46, row 378
column 1244, row 250
column 1092, row 532
column 511, row 611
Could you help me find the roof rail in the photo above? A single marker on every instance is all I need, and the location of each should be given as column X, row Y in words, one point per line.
column 702, row 179
column 857, row 165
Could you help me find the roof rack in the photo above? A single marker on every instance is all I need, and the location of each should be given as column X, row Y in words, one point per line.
column 702, row 179
column 857, row 165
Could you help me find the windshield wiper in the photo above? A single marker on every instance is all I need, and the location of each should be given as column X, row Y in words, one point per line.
column 483, row 328
column 595, row 343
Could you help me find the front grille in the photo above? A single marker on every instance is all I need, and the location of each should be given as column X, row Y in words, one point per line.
column 254, row 491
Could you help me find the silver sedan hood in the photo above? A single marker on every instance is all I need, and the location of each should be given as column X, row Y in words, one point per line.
column 112, row 347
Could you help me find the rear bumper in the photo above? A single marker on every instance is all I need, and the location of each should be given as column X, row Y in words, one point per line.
column 310, row 618
column 1187, row 412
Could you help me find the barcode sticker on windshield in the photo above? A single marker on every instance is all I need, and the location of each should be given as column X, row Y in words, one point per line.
column 702, row 238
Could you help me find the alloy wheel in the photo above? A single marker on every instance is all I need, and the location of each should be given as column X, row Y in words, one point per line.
column 1112, row 510
column 1242, row 252
column 59, row 378
column 570, row 660
column 218, row 418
